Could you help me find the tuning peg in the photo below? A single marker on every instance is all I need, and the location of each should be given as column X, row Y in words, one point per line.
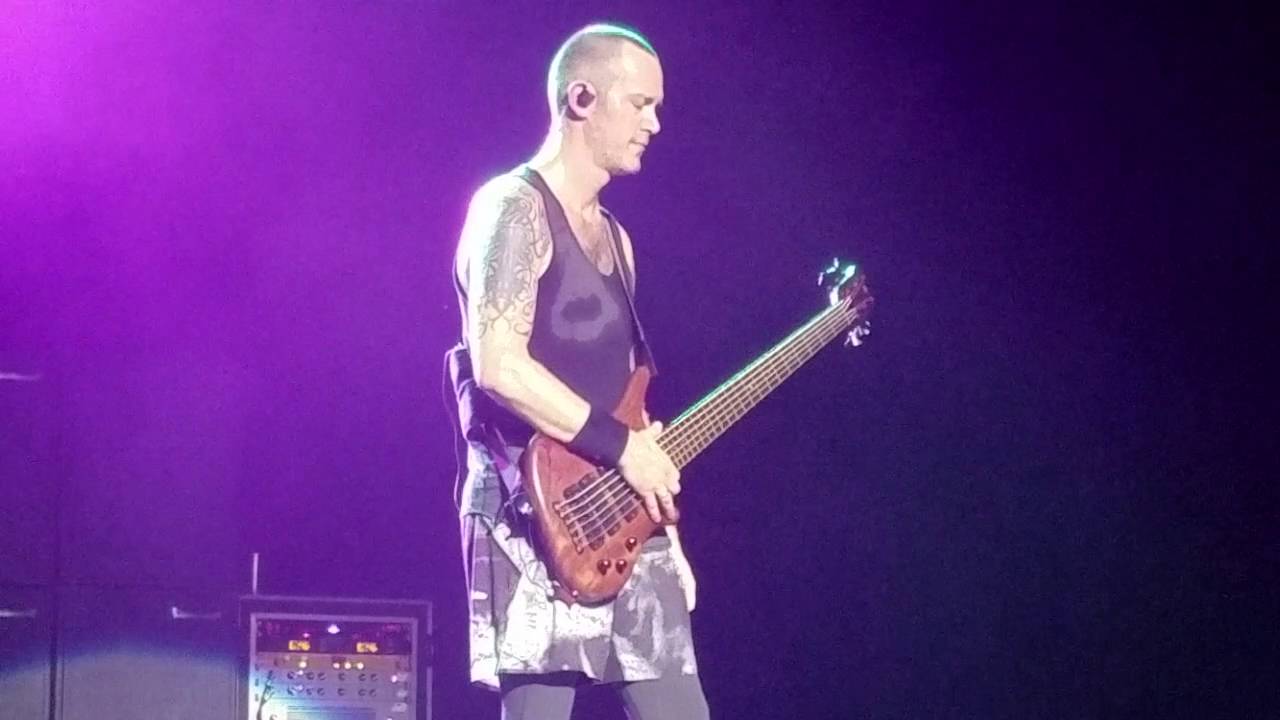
column 855, row 336
column 829, row 271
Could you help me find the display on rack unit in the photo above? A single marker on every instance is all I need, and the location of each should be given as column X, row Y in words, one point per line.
column 350, row 637
column 332, row 667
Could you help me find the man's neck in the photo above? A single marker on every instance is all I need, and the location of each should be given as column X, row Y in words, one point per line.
column 565, row 163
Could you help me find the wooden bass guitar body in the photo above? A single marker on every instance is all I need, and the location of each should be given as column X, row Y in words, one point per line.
column 589, row 523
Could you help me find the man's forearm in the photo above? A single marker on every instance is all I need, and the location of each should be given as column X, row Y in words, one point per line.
column 528, row 389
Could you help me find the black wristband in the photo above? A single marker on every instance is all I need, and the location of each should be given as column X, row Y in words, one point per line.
column 602, row 439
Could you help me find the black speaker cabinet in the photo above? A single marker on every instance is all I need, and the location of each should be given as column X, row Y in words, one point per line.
column 154, row 455
column 30, row 475
column 125, row 654
column 26, row 636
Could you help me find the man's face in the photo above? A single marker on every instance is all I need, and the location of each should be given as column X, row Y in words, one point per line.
column 627, row 117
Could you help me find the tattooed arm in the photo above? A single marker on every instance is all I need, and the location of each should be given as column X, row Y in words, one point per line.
column 506, row 248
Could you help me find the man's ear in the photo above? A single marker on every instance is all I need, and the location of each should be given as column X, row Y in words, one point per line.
column 582, row 98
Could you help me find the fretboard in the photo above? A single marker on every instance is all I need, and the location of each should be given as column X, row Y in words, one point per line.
column 696, row 428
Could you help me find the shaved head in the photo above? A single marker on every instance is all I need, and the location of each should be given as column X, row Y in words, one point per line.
column 589, row 55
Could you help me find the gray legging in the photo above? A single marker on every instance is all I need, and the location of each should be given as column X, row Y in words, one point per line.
column 550, row 697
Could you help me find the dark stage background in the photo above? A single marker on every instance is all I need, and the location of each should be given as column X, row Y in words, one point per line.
column 226, row 232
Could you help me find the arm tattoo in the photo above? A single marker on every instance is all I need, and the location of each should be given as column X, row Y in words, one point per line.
column 511, row 259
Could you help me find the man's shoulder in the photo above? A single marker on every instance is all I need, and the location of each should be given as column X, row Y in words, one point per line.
column 511, row 185
column 504, row 203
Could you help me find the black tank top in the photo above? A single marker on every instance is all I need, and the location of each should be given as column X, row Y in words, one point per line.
column 584, row 328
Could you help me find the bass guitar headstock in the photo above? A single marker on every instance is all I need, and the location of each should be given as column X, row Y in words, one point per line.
column 845, row 282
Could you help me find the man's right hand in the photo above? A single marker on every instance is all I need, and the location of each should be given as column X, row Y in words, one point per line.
column 649, row 470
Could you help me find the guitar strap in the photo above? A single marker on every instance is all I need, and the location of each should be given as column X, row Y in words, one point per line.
column 644, row 355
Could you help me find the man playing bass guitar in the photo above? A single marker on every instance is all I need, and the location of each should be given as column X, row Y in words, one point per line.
column 550, row 338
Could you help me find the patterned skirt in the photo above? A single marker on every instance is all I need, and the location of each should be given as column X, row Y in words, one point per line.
column 517, row 625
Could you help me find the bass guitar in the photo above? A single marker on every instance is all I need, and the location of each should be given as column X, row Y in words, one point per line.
column 588, row 521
